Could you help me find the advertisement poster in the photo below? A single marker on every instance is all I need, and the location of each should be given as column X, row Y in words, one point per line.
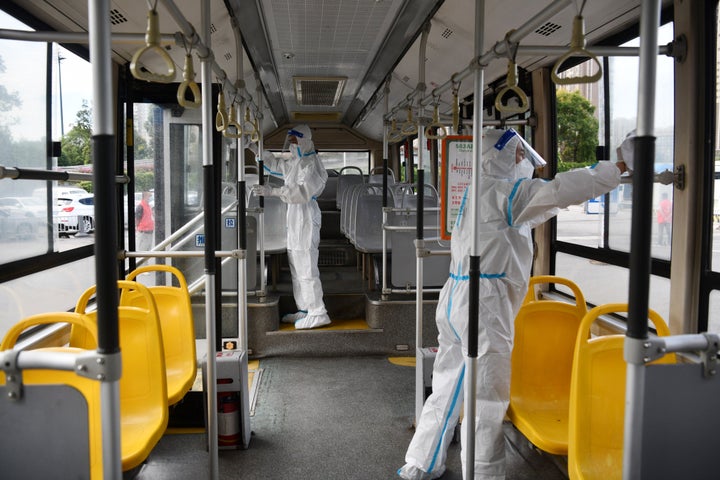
column 457, row 158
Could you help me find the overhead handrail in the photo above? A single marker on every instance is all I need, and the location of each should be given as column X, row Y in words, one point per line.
column 221, row 118
column 394, row 135
column 232, row 122
column 455, row 104
column 577, row 48
column 511, row 83
column 188, row 82
column 251, row 127
column 152, row 43
column 441, row 130
column 410, row 126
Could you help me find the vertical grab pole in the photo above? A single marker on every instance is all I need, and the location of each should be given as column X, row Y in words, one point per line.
column 385, row 167
column 419, row 236
column 210, row 228
column 474, row 267
column 261, row 201
column 640, row 238
column 241, row 203
column 106, row 273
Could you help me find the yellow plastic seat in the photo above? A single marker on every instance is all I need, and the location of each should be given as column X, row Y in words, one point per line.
column 89, row 388
column 176, row 323
column 542, row 357
column 597, row 398
column 143, row 389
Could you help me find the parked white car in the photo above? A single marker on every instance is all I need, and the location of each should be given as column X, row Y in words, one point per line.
column 21, row 217
column 74, row 214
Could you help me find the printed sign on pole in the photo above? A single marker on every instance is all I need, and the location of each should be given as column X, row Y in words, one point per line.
column 457, row 158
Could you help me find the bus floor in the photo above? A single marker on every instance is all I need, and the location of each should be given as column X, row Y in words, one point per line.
column 330, row 418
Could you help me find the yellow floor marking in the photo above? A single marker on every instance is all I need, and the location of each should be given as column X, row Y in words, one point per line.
column 352, row 324
column 402, row 361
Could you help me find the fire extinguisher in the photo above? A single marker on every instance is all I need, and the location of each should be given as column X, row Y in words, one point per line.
column 228, row 419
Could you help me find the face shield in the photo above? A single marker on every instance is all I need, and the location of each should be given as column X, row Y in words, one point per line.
column 529, row 153
column 293, row 138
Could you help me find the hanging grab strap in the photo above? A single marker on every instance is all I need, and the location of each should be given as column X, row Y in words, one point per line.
column 511, row 83
column 577, row 48
column 221, row 118
column 232, row 123
column 250, row 127
column 189, row 82
column 455, row 104
column 394, row 135
column 410, row 126
column 152, row 43
column 441, row 130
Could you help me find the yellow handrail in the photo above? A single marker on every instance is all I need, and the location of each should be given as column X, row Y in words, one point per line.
column 441, row 132
column 251, row 126
column 221, row 119
column 455, row 105
column 232, row 123
column 577, row 48
column 189, row 82
column 409, row 127
column 394, row 134
column 152, row 43
column 512, row 86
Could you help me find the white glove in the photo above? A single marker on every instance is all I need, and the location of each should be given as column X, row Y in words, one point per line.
column 263, row 190
column 253, row 147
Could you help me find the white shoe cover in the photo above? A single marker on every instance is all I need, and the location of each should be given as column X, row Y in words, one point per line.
column 411, row 472
column 312, row 321
column 293, row 317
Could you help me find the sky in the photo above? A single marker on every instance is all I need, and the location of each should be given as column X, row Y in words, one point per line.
column 25, row 73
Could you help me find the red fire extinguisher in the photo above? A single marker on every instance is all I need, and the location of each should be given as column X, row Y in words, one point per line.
column 228, row 419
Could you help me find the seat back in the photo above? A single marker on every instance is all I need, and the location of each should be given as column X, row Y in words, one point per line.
column 143, row 387
column 597, row 398
column 345, row 180
column 542, row 358
column 59, row 414
column 367, row 227
column 176, row 322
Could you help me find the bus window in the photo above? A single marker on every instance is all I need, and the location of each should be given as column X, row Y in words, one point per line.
column 604, row 283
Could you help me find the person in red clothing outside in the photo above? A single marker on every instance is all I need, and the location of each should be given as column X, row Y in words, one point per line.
column 664, row 219
column 145, row 224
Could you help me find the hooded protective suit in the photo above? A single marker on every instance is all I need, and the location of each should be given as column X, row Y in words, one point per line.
column 510, row 205
column 305, row 178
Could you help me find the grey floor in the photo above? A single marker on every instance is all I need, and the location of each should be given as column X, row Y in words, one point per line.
column 329, row 418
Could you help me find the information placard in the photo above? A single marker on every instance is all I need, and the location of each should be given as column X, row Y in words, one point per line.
column 457, row 159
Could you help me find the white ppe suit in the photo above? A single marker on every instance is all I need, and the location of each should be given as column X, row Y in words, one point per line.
column 305, row 178
column 509, row 207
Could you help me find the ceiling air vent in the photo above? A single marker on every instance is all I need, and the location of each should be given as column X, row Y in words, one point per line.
column 547, row 29
column 318, row 91
column 117, row 17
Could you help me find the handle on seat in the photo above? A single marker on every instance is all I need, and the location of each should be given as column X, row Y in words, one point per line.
column 158, row 268
column 539, row 279
column 123, row 285
column 189, row 82
column 152, row 43
column 350, row 167
column 584, row 330
column 577, row 48
column 72, row 318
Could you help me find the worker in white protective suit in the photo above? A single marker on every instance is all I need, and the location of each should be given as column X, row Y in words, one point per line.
column 305, row 178
column 510, row 203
